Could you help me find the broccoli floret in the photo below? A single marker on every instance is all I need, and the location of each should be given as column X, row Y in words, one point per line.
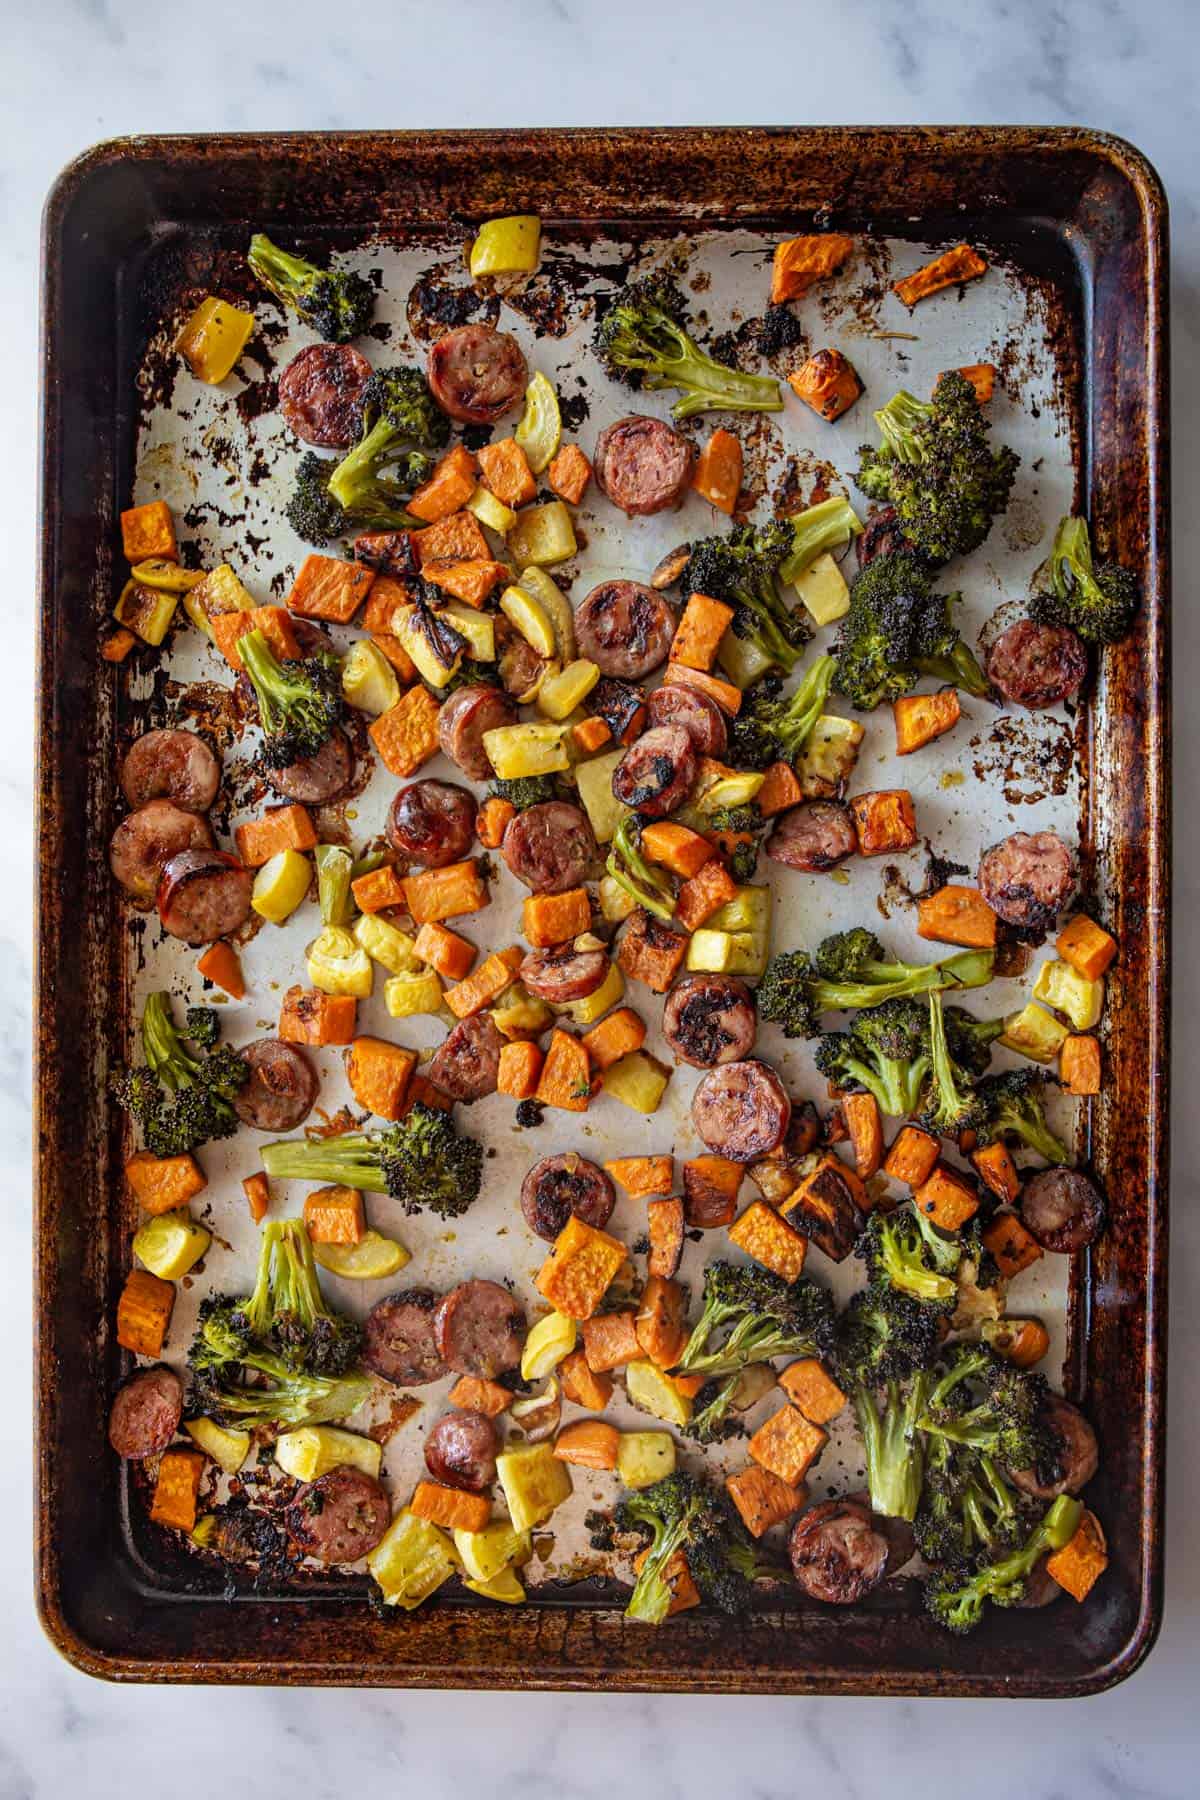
column 1098, row 602
column 643, row 341
column 967, row 1508
column 681, row 1513
column 897, row 630
column 936, row 468
column 993, row 1407
column 850, row 973
column 1011, row 1105
column 886, row 1344
column 180, row 1101
column 285, row 1314
column 970, row 1039
column 885, row 1052
column 292, row 1399
column 526, row 790
column 958, row 1603
column 648, row 886
column 422, row 1162
column 399, row 415
column 952, row 1105
column 769, row 729
column 203, row 1026
column 299, row 703
column 314, row 514
column 336, row 303
column 900, row 1258
column 760, row 1315
column 741, row 571
column 828, row 526
column 740, row 820
column 710, row 1422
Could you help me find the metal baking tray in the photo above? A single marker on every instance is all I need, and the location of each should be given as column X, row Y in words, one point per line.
column 1074, row 317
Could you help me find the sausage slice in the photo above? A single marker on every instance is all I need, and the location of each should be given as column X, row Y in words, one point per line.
column 560, row 1186
column 204, row 895
column 462, row 721
column 399, row 1341
column 316, row 780
column 1027, row 879
column 814, row 837
column 144, row 843
column 467, row 1065
column 340, row 1517
column 477, row 374
column 710, row 1019
column 320, row 394
column 1079, row 1453
column 643, row 465
column 171, row 765
column 461, row 1451
column 741, row 1110
column 656, row 773
column 480, row 1329
column 146, row 1413
column 1036, row 665
column 549, row 847
column 837, row 1553
column 281, row 1089
column 625, row 629
column 563, row 973
column 433, row 822
column 700, row 717
column 1063, row 1208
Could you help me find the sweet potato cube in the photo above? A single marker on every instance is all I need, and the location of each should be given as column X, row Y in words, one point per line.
column 828, row 382
column 830, row 1207
column 861, row 1113
column 444, row 950
column 650, row 952
column 329, row 588
column 589, row 1443
column 723, row 693
column 947, row 1198
column 780, row 789
column 504, row 469
column 982, row 377
column 643, row 1175
column 762, row 1498
column 706, row 893
column 803, row 261
column 665, row 1227
column 920, row 718
column 948, row 270
column 471, row 582
column 448, row 488
column 378, row 889
column 699, row 632
column 770, row 1240
column 610, row 1340
column 406, row 734
column 569, row 473
column 885, row 821
column 590, row 735
column 549, row 919
column 684, row 1592
column 1078, row 1565
column 489, row 981
column 957, row 915
column 391, row 647
column 280, row 828
column 717, row 475
column 493, row 820
column 616, row 1036
column 450, row 1507
column 912, row 1157
column 456, row 538
column 1012, row 1246
column 274, row 623
column 579, row 1269
column 387, row 593
column 148, row 531
column 997, row 1171
column 177, row 1488
column 437, row 894
column 334, row 1215
column 787, row 1444
column 583, row 1385
column 566, row 1079
column 520, row 1070
column 257, row 1190
column 676, row 847
column 1079, row 1065
column 379, row 1074
column 661, row 1324
column 710, row 1186
column 144, row 1312
column 1086, row 946
column 809, row 1386
column 472, row 1393
column 117, row 645
column 161, row 1183
column 310, row 1017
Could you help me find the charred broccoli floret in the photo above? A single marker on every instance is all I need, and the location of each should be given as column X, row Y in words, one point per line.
column 1097, row 601
column 399, row 416
column 885, row 1052
column 903, row 1259
column 970, row 1039
column 742, row 571
column 649, row 887
column 886, row 1344
column 957, row 1602
column 980, row 1400
column 293, row 1398
column 643, row 341
column 758, row 1316
column 769, row 729
column 316, row 516
column 337, row 303
column 526, row 790
column 681, row 1513
column 746, row 825
column 850, row 973
column 967, row 1508
column 897, row 630
column 422, row 1162
column 180, row 1101
column 937, row 469
column 952, row 1105
column 1011, row 1106
column 284, row 1315
column 299, row 703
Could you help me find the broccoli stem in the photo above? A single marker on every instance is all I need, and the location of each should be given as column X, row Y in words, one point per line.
column 895, row 1460
column 356, row 479
column 351, row 1160
column 287, row 276
column 274, row 688
column 959, row 669
column 709, row 386
column 827, row 526
column 971, row 968
column 166, row 1057
column 630, row 870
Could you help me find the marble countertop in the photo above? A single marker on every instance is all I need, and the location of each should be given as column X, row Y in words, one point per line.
column 82, row 70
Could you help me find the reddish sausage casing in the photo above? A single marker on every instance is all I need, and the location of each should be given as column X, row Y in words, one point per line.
column 643, row 465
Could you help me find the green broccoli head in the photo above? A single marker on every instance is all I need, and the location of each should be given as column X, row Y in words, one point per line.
column 885, row 1053
column 770, row 729
column 957, row 1599
column 952, row 1105
column 741, row 570
column 897, row 630
column 422, row 1161
column 897, row 1257
column 757, row 1315
column 371, row 500
column 299, row 703
column 1097, row 601
column 1012, row 1105
column 524, row 791
column 179, row 1100
column 643, row 340
column 336, row 303
column 784, row 995
column 401, row 422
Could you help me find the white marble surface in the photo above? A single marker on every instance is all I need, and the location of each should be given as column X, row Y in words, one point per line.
column 72, row 73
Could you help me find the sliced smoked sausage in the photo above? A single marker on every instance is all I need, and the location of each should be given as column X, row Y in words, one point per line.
column 643, row 465
column 316, row 780
column 1036, row 665
column 517, row 662
column 1078, row 1454
column 399, row 1342
column 146, row 1413
column 741, row 1110
column 320, row 394
column 477, row 374
column 710, row 1019
column 882, row 535
column 204, row 895
column 144, row 843
column 837, row 1551
column 549, row 847
column 814, row 837
column 171, row 765
column 281, row 1088
column 480, row 1329
column 560, row 1186
column 1063, row 1208
column 462, row 721
column 461, row 1451
column 656, row 773
column 563, row 973
column 341, row 1516
column 467, row 1065
column 433, row 822
column 625, row 629
column 700, row 717
column 1027, row 879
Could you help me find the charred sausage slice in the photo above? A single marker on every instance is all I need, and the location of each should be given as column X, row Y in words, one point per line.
column 320, row 394
column 1027, row 879
column 171, row 765
column 563, row 973
column 341, row 1516
column 549, row 847
column 517, row 662
column 144, row 843
column 882, row 535
column 316, row 780
column 462, row 721
column 1077, row 1458
column 814, row 837
column 433, row 822
column 146, row 1413
column 741, row 1110
column 477, row 374
column 1063, row 1208
column 625, row 629
column 281, row 1088
column 838, row 1555
column 700, row 717
column 656, row 773
column 643, row 465
column 710, row 1019
column 461, row 1451
column 560, row 1186
column 467, row 1065
column 399, row 1342
column 204, row 895
column 1036, row 665
column 480, row 1329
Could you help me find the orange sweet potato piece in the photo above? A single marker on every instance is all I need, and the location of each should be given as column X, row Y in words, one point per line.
column 406, row 734
column 569, row 473
column 390, row 646
column 520, row 1070
column 549, row 919
column 471, row 582
column 449, row 1507
column 829, row 1207
column 472, row 1393
column 443, row 950
column 504, row 470
column 590, row 735
column 117, row 645
column 565, row 1080
column 494, row 974
column 580, row 1269
column 177, row 1488
column 650, row 952
column 387, row 593
column 310, row 1017
column 912, row 1156
column 828, row 382
column 885, row 821
column 274, row 623
column 948, row 270
column 920, row 718
column 590, row 1443
column 1079, row 1065
column 379, row 1074
column 665, row 1227
column 810, row 1387
column 492, row 821
column 727, row 697
column 699, row 632
column 1079, row 1565
column 861, row 1113
column 437, row 894
column 682, row 851
column 957, row 915
column 801, row 262
column 779, row 790
column 947, row 1198
column 1013, row 1246
column 161, row 1183
column 613, row 1038
column 710, row 1187
column 763, row 1499
column 610, row 1340
column 221, row 966
column 423, row 1092
column 1086, row 946
column 378, row 889
column 643, row 1175
column 329, row 588
column 448, row 488
column 709, row 890
column 144, row 1312
column 770, row 1240
column 258, row 1195
column 148, row 531
column 997, row 1171
column 280, row 828
column 584, row 1386
column 718, row 474
column 456, row 538
column 787, row 1444
column 661, row 1323
column 334, row 1215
